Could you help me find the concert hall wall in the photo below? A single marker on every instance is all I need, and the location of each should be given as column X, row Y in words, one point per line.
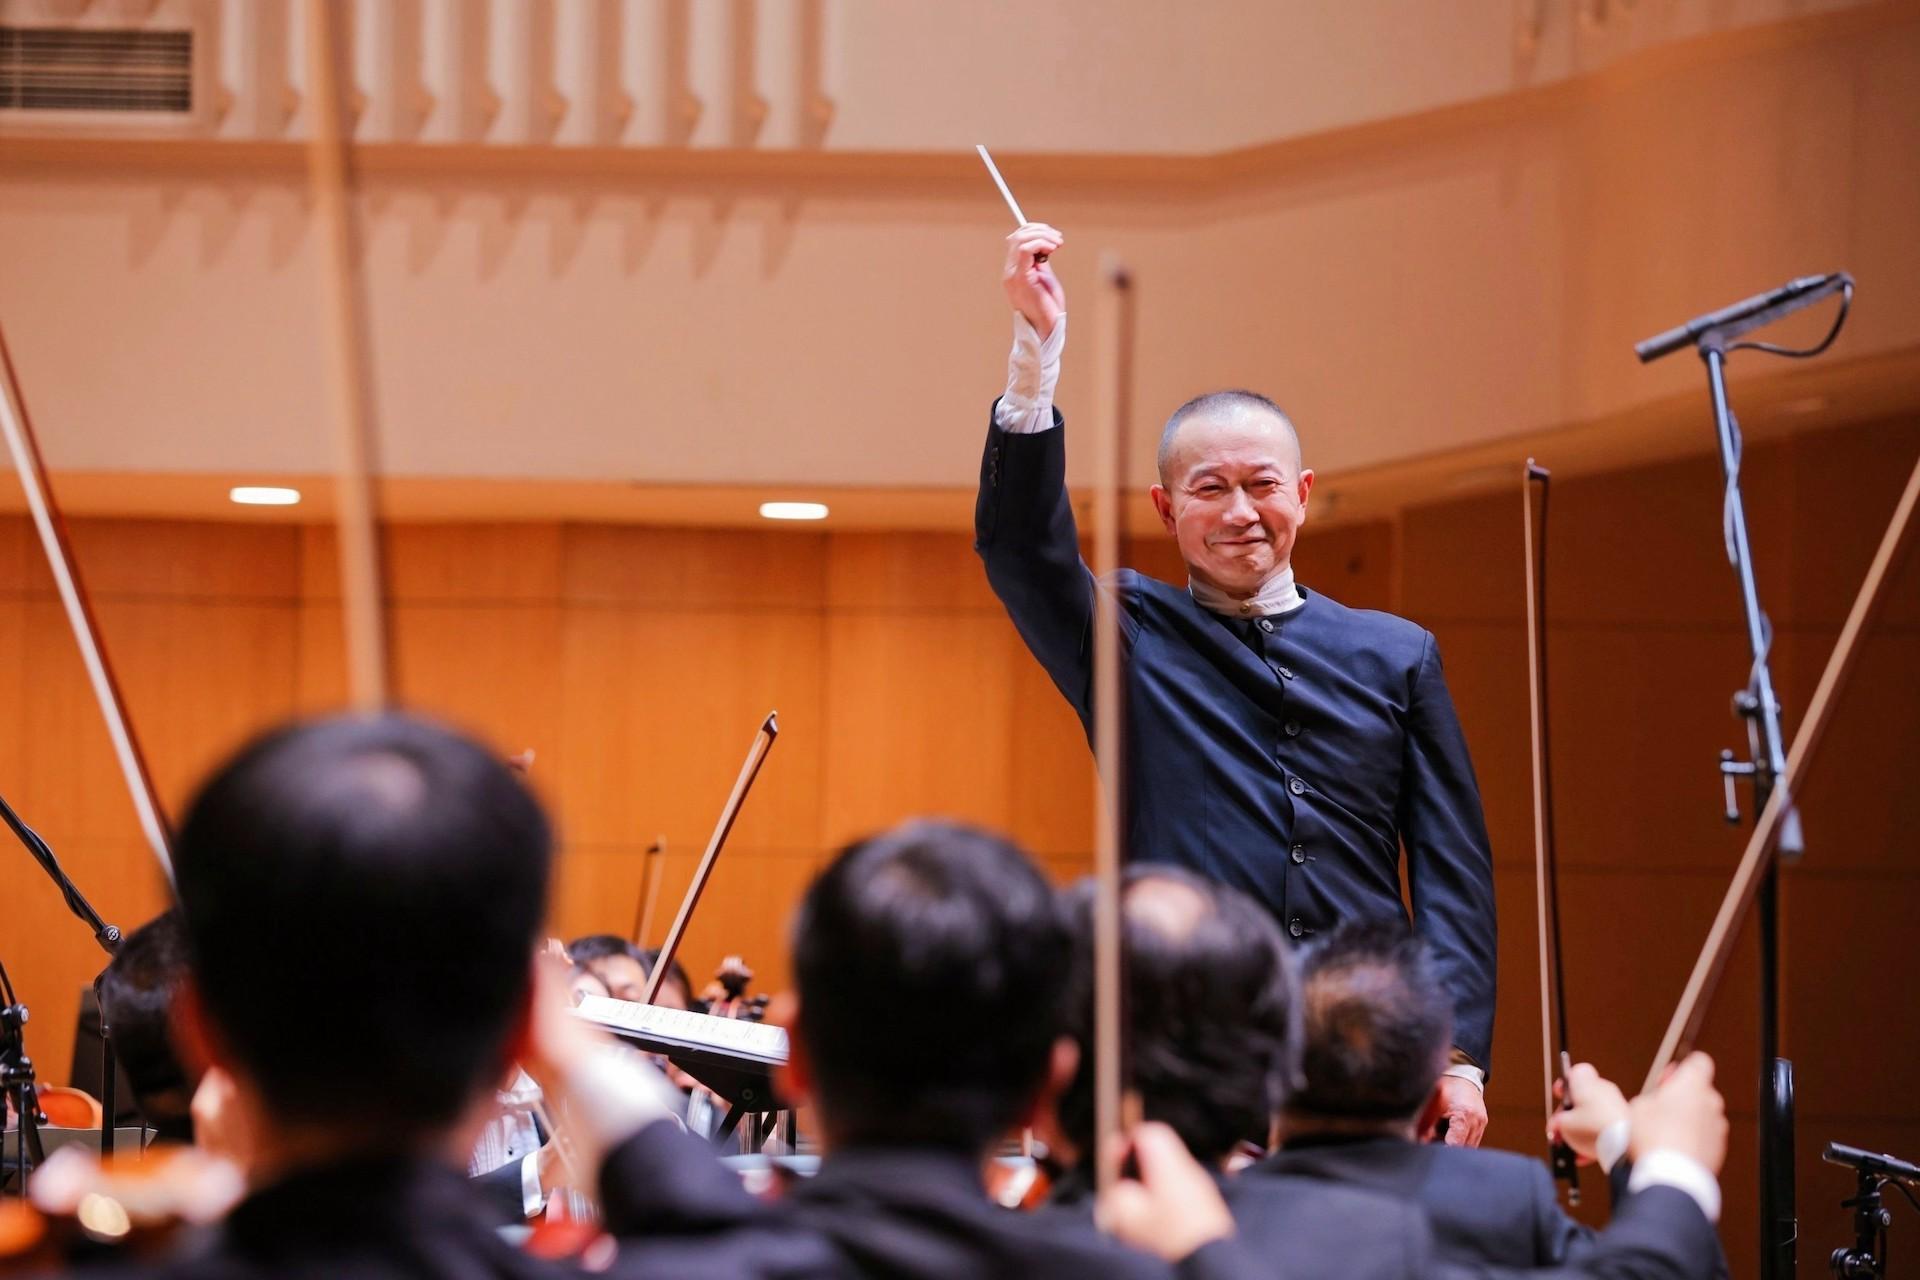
column 637, row 662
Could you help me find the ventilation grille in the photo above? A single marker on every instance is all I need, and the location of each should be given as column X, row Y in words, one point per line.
column 72, row 69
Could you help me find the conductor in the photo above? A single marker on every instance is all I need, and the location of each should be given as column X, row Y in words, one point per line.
column 1277, row 741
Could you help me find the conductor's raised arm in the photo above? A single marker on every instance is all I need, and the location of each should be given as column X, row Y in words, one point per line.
column 1023, row 522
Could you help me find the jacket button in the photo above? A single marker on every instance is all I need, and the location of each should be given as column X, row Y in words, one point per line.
column 1298, row 853
column 1296, row 786
column 1265, row 624
column 1295, row 928
column 1293, row 728
column 1285, row 674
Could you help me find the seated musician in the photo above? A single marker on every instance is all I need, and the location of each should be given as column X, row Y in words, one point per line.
column 1213, row 1050
column 1215, row 1016
column 1375, row 1040
column 363, row 1071
column 930, row 964
column 137, row 991
column 613, row 960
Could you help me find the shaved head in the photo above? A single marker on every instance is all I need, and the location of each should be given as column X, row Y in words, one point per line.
column 1222, row 405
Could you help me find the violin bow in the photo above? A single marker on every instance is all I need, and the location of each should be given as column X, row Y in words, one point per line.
column 1684, row 1029
column 1115, row 1112
column 24, row 447
column 651, row 864
column 349, row 355
column 749, row 770
column 1546, row 864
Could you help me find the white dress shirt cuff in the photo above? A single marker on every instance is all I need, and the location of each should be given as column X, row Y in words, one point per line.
column 532, row 1198
column 1611, row 1145
column 1033, row 370
column 1464, row 1070
column 1670, row 1168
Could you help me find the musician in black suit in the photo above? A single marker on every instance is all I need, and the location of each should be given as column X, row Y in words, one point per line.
column 1374, row 1040
column 1277, row 741
column 931, row 963
column 1214, row 1038
column 361, row 899
column 1212, row 1051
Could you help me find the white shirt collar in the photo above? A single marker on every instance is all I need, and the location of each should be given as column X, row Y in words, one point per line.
column 1276, row 595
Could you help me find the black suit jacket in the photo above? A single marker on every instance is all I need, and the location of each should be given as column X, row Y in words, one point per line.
column 921, row 1213
column 676, row 1212
column 1659, row 1234
column 1494, row 1207
column 1291, row 763
column 1499, row 1209
column 1288, row 1226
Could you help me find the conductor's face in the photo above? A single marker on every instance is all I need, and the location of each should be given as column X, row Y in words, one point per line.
column 1234, row 495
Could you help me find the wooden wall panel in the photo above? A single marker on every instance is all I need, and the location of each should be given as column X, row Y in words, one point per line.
column 658, row 710
column 920, row 720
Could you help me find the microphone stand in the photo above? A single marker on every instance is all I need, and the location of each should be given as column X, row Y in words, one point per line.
column 1714, row 335
column 16, row 1068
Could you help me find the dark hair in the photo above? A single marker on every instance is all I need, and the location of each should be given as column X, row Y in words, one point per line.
column 136, row 1001
column 361, row 896
column 595, row 946
column 930, row 962
column 650, row 956
column 1212, row 1015
column 1230, row 401
column 1378, row 1023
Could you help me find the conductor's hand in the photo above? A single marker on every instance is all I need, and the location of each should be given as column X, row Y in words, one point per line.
column 1464, row 1107
column 1685, row 1114
column 1031, row 286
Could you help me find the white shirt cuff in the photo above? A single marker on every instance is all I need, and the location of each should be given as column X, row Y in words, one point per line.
column 1033, row 371
column 1669, row 1168
column 532, row 1198
column 1468, row 1072
column 1611, row 1145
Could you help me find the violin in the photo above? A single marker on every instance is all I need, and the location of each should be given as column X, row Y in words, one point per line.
column 726, row 996
column 81, row 1207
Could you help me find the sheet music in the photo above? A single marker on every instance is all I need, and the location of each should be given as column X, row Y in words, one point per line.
column 756, row 1040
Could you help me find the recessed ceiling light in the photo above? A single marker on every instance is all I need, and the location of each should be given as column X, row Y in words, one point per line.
column 263, row 495
column 794, row 510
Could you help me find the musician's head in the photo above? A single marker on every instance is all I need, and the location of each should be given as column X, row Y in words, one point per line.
column 929, row 962
column 1212, row 1011
column 615, row 961
column 1377, row 1026
column 361, row 898
column 1233, row 490
column 676, row 990
column 136, row 999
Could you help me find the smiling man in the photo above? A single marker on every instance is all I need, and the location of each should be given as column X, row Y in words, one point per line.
column 1278, row 741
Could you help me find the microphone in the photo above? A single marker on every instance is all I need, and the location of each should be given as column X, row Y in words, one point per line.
column 1790, row 296
column 1869, row 1163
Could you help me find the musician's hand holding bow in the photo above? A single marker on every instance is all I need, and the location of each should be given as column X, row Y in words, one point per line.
column 1173, row 1207
column 1684, row 1114
column 1595, row 1105
column 1031, row 286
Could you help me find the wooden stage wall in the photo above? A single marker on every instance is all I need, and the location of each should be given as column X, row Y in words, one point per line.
column 637, row 662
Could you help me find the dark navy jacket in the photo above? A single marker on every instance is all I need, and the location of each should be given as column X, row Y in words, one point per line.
column 1290, row 762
